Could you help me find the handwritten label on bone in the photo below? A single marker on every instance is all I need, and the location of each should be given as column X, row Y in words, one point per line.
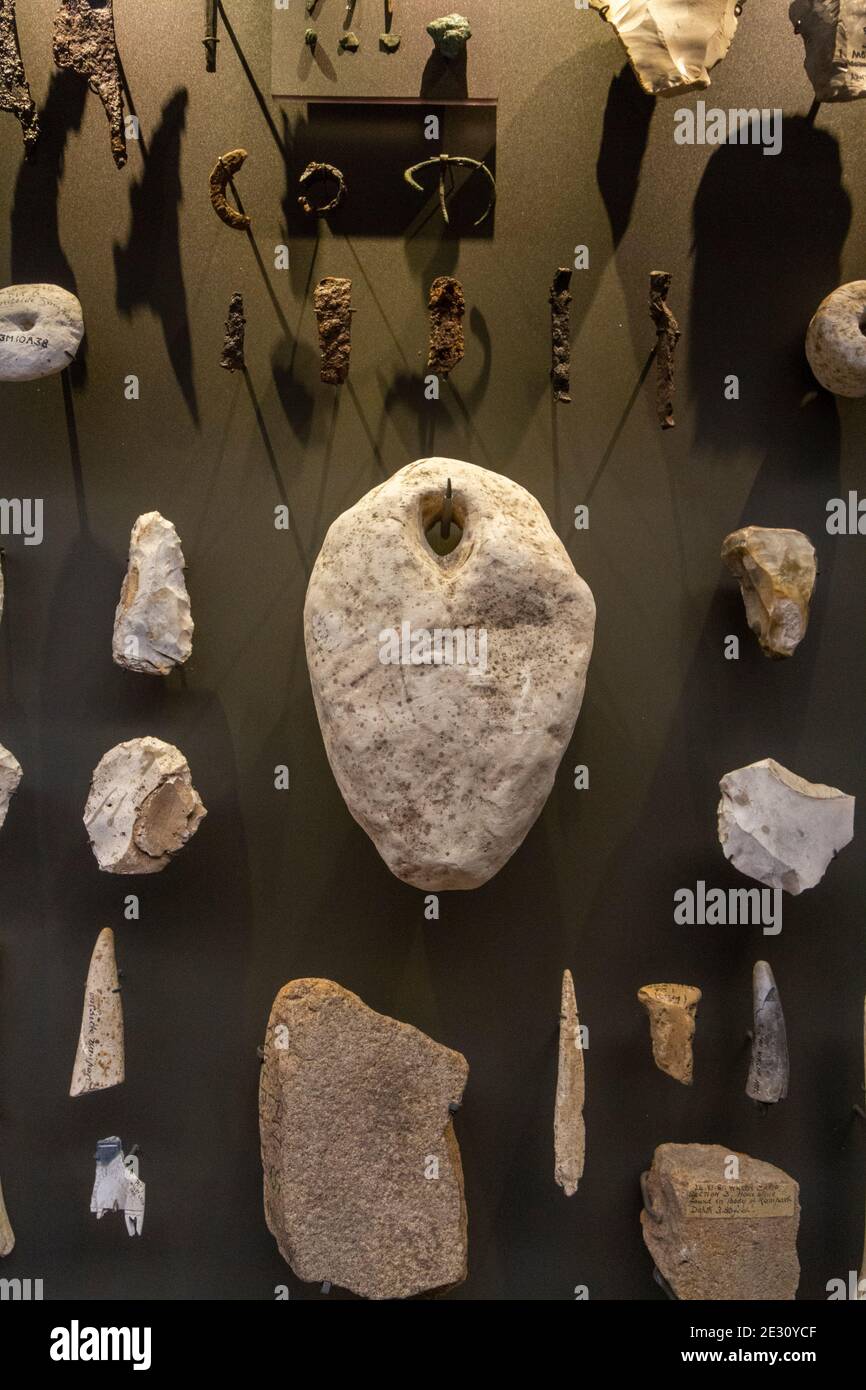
column 746, row 1199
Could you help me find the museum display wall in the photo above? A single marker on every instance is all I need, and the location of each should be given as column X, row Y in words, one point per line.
column 247, row 470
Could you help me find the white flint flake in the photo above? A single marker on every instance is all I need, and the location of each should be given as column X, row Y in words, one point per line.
column 142, row 807
column 117, row 1186
column 779, row 828
column 41, row 327
column 10, row 776
column 446, row 755
column 672, row 44
column 152, row 626
column 776, row 569
column 7, row 1236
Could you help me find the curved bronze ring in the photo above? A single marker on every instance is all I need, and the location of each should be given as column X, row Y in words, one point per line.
column 443, row 161
column 318, row 171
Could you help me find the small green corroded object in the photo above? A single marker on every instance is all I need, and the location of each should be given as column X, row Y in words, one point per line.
column 390, row 42
column 349, row 43
column 450, row 34
column 311, row 38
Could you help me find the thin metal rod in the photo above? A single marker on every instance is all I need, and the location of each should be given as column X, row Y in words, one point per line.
column 211, row 38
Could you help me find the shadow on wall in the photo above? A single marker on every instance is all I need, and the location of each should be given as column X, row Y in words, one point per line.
column 37, row 254
column 148, row 269
column 624, row 136
column 768, row 236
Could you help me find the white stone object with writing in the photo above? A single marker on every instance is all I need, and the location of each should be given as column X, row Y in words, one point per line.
column 99, row 1056
column 41, row 327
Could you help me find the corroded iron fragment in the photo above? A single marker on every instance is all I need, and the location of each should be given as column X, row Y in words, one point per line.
column 569, row 1131
column 560, row 329
column 84, row 41
column 222, row 174
column 332, row 299
column 14, row 88
column 768, row 1071
column 315, row 171
column 233, row 347
column 99, row 1056
column 447, row 307
column 450, row 34
column 363, row 1183
column 667, row 337
column 445, row 164
column 672, row 1010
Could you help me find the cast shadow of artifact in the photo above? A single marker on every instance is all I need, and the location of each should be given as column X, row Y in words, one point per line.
column 768, row 236
column 625, row 133
column 148, row 269
column 37, row 254
column 445, row 79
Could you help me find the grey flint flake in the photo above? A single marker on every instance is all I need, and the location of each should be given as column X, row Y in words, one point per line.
column 768, row 1071
column 363, row 1183
column 10, row 776
column 672, row 44
column 721, row 1225
column 142, row 808
column 776, row 569
column 41, row 327
column 446, row 747
column 779, row 828
column 99, row 1056
column 153, row 626
column 672, row 1010
column 569, row 1133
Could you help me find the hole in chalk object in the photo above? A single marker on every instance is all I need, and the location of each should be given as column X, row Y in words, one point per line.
column 438, row 543
column 24, row 321
column 431, row 522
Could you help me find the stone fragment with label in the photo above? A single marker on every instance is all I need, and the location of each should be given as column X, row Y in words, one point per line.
column 41, row 327
column 721, row 1225
column 834, row 33
column 99, row 1056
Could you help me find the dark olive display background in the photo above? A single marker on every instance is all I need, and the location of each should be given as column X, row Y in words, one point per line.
column 284, row 884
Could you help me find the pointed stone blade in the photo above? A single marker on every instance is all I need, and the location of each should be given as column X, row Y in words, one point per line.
column 569, row 1130
column 99, row 1059
column 768, row 1072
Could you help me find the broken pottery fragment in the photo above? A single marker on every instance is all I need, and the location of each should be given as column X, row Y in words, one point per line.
column 768, row 1070
column 7, row 1237
column 672, row 1010
column 450, row 34
column 99, row 1057
column 41, row 327
column 117, row 1186
column 672, row 44
column 779, row 828
column 560, row 332
column 833, row 33
column 153, row 626
column 447, row 307
column 363, row 1183
column 721, row 1225
column 233, row 346
column 14, row 88
column 776, row 569
column 332, row 301
column 836, row 340
column 569, row 1131
column 479, row 654
column 142, row 807
column 84, row 41
column 10, row 776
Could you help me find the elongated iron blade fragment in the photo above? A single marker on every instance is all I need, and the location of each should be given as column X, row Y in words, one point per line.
column 560, row 327
column 7, row 1238
column 99, row 1058
column 569, row 1130
column 667, row 336
column 332, row 300
column 768, row 1072
column 84, row 41
column 14, row 89
column 233, row 347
